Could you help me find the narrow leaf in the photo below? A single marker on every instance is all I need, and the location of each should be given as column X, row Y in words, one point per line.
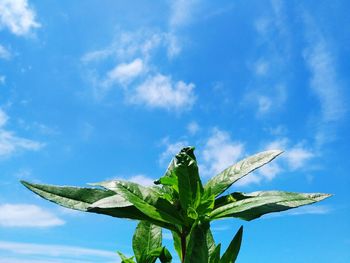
column 219, row 183
column 232, row 251
column 256, row 204
column 67, row 196
column 125, row 259
column 214, row 257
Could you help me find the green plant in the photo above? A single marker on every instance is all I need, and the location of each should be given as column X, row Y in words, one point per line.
column 181, row 203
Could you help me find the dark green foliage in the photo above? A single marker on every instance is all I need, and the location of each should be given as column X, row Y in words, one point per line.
column 179, row 202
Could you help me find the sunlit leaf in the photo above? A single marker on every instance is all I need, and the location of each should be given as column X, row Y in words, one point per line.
column 253, row 205
column 219, row 183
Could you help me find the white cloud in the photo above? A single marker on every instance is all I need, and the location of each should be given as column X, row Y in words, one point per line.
column 55, row 253
column 10, row 143
column 24, row 215
column 2, row 80
column 17, row 16
column 181, row 12
column 296, row 156
column 220, row 152
column 171, row 150
column 193, row 127
column 125, row 72
column 267, row 100
column 140, row 179
column 261, row 68
column 161, row 91
column 154, row 90
column 4, row 53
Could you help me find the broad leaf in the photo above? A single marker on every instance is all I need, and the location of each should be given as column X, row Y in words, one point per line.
column 219, row 183
column 197, row 248
column 189, row 183
column 254, row 205
column 147, row 200
column 232, row 251
column 147, row 238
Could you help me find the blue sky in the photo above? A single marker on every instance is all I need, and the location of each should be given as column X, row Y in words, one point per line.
column 96, row 90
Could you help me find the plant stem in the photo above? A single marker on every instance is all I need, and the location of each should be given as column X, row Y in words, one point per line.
column 183, row 246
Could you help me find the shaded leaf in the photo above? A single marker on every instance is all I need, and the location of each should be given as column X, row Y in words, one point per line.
column 197, row 248
column 219, row 183
column 214, row 257
column 125, row 259
column 256, row 204
column 232, row 251
column 147, row 200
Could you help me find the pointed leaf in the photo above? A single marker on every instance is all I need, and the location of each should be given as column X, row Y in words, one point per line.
column 125, row 259
column 219, row 183
column 67, row 196
column 232, row 251
column 177, row 243
column 214, row 257
column 147, row 238
column 256, row 204
column 197, row 248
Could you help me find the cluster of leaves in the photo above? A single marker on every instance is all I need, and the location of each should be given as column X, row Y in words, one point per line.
column 181, row 203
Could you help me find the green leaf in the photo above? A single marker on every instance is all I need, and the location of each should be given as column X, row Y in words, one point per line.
column 165, row 256
column 256, row 204
column 177, row 243
column 189, row 183
column 232, row 251
column 219, row 183
column 147, row 238
column 125, row 259
column 197, row 248
column 67, row 196
column 162, row 253
column 214, row 257
column 213, row 250
column 148, row 201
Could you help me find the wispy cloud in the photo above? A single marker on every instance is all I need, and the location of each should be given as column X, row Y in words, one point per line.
column 17, row 16
column 10, row 143
column 304, row 210
column 4, row 53
column 54, row 253
column 26, row 215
